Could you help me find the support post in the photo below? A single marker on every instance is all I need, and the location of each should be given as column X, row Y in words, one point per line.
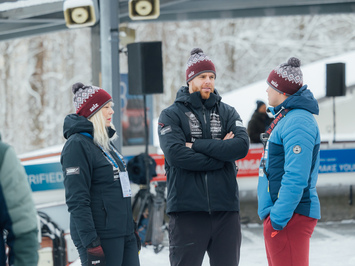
column 95, row 56
column 334, row 124
column 110, row 74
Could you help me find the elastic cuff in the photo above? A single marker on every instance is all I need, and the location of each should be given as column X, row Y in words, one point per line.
column 276, row 226
column 94, row 243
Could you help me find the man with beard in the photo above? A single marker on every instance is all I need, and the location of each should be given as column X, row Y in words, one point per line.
column 201, row 138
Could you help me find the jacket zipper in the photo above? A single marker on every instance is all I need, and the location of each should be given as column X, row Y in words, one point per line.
column 208, row 196
column 204, row 115
column 205, row 126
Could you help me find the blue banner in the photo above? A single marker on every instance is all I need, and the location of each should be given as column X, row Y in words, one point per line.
column 337, row 161
column 48, row 176
column 45, row 176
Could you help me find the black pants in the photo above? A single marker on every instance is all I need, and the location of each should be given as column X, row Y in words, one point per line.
column 119, row 251
column 191, row 234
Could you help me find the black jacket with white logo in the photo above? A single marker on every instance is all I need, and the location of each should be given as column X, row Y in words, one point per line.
column 202, row 178
column 95, row 201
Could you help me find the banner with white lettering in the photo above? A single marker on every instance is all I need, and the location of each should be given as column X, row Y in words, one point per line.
column 49, row 176
column 337, row 161
column 45, row 176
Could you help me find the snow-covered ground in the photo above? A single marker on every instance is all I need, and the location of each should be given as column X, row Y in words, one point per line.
column 332, row 244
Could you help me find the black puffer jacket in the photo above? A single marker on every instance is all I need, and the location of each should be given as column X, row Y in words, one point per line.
column 95, row 201
column 202, row 178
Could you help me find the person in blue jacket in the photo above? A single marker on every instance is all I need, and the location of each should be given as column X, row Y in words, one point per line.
column 97, row 187
column 201, row 138
column 287, row 197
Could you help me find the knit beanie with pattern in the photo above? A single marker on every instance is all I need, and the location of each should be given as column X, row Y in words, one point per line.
column 88, row 100
column 198, row 63
column 287, row 78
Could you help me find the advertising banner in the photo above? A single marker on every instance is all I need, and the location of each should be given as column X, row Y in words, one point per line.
column 132, row 116
column 45, row 176
column 337, row 161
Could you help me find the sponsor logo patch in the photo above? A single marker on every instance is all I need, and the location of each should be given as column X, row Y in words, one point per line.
column 72, row 171
column 274, row 83
column 297, row 149
column 239, row 123
column 191, row 73
column 93, row 107
column 165, row 130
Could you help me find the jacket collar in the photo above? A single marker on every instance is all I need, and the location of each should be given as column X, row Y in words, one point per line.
column 302, row 99
column 195, row 99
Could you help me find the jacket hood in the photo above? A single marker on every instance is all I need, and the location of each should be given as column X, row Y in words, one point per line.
column 184, row 96
column 74, row 123
column 302, row 99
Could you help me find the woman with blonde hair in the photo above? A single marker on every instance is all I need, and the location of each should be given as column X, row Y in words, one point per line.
column 97, row 187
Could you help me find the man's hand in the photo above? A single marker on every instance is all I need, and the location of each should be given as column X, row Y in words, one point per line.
column 229, row 135
column 189, row 144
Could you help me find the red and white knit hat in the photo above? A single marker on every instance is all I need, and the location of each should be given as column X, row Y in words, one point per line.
column 88, row 100
column 287, row 78
column 198, row 63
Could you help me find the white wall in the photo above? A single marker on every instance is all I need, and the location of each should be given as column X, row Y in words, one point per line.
column 344, row 117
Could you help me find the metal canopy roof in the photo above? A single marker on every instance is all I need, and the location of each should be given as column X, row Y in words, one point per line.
column 33, row 17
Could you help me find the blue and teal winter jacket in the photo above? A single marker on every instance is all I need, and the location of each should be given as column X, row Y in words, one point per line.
column 287, row 185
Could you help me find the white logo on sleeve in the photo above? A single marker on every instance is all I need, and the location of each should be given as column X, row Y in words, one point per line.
column 239, row 123
column 72, row 171
column 297, row 149
column 165, row 130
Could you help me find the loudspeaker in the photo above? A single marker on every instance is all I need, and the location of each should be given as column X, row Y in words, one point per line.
column 145, row 68
column 80, row 13
column 143, row 9
column 336, row 80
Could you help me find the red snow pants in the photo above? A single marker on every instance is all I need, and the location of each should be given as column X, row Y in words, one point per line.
column 289, row 246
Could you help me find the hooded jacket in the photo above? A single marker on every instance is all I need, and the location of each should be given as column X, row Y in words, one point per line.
column 17, row 211
column 94, row 198
column 291, row 157
column 201, row 178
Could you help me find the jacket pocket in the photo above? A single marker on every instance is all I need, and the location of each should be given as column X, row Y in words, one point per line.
column 99, row 214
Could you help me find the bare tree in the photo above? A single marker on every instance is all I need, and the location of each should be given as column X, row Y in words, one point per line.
column 37, row 73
